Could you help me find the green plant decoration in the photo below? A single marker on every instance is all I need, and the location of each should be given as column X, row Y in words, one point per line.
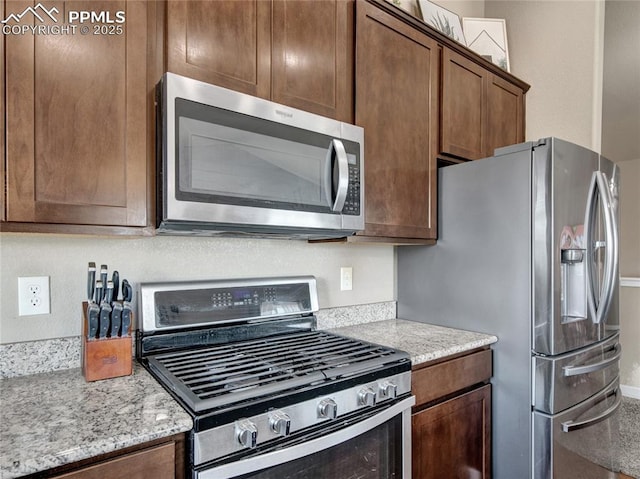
column 444, row 26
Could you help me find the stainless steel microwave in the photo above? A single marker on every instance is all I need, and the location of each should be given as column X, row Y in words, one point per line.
column 233, row 163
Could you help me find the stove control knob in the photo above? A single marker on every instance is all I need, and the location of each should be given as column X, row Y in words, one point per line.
column 388, row 390
column 247, row 433
column 327, row 409
column 366, row 397
column 280, row 423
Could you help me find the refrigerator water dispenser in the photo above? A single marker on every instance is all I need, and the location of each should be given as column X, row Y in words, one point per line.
column 573, row 298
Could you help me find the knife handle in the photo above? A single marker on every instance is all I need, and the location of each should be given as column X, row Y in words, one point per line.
column 109, row 294
column 93, row 312
column 116, row 319
column 115, row 278
column 126, row 319
column 105, row 320
column 91, row 281
column 127, row 291
column 104, row 271
column 99, row 285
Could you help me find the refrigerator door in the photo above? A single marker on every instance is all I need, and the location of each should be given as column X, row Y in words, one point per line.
column 580, row 442
column 603, row 246
column 563, row 381
column 574, row 232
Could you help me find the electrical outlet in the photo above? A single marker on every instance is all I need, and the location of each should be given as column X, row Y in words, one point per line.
column 33, row 295
column 346, row 278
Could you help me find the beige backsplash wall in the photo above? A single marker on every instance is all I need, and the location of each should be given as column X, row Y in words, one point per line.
column 65, row 258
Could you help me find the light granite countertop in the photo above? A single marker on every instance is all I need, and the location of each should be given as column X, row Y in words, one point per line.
column 56, row 418
column 424, row 342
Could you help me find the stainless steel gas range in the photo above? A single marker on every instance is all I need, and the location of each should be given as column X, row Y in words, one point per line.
column 270, row 395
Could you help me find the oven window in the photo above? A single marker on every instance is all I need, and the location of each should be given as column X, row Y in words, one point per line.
column 375, row 454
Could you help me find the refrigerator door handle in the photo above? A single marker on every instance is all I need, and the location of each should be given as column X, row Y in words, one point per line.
column 599, row 188
column 569, row 426
column 589, row 368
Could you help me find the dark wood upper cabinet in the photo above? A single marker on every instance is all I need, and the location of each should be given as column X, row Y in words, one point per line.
column 480, row 111
column 312, row 56
column 397, row 78
column 295, row 52
column 77, row 123
column 505, row 114
column 226, row 43
column 464, row 107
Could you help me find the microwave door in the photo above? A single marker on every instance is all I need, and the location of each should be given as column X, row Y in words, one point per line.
column 225, row 164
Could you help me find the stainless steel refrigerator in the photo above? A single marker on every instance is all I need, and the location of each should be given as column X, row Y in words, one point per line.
column 528, row 250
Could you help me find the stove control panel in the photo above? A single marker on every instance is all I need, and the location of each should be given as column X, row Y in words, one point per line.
column 253, row 431
column 179, row 305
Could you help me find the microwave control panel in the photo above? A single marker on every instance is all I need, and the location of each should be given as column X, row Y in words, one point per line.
column 352, row 202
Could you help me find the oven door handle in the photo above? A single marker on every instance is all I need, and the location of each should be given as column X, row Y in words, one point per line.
column 280, row 456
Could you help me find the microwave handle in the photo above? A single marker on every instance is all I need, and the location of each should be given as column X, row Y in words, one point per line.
column 337, row 193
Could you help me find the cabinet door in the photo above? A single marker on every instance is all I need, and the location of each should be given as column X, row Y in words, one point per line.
column 312, row 56
column 153, row 463
column 76, row 121
column 480, row 111
column 453, row 438
column 223, row 42
column 397, row 75
column 505, row 114
column 2, row 120
column 464, row 115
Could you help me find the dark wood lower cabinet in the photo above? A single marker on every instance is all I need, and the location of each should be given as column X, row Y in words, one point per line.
column 158, row 459
column 452, row 439
column 155, row 462
column 451, row 422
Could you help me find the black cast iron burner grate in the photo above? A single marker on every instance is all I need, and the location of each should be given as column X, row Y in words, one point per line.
column 224, row 375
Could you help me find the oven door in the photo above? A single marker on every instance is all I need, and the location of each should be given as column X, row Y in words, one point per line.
column 376, row 447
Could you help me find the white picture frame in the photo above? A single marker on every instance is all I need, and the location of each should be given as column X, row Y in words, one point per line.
column 488, row 38
column 443, row 20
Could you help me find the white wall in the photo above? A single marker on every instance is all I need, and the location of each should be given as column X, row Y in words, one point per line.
column 630, row 267
column 65, row 258
column 556, row 47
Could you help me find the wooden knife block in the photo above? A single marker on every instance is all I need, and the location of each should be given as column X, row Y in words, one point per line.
column 105, row 358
